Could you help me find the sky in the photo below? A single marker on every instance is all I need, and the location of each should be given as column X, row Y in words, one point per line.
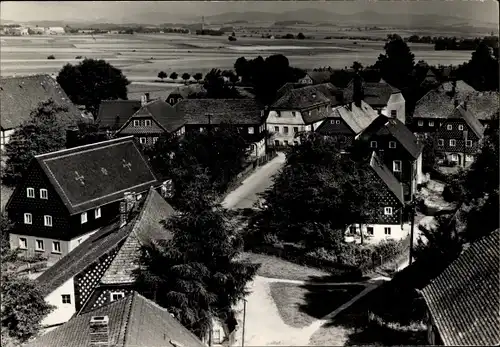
column 114, row 11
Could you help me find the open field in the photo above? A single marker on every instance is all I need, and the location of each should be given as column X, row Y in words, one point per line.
column 142, row 56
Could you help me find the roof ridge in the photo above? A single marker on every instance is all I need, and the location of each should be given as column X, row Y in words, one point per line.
column 126, row 322
column 76, row 149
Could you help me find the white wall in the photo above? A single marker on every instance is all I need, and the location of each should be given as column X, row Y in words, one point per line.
column 5, row 137
column 259, row 149
column 398, row 232
column 73, row 243
column 396, row 102
column 286, row 119
column 63, row 312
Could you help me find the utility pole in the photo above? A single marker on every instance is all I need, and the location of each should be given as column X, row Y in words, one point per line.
column 244, row 317
column 411, row 229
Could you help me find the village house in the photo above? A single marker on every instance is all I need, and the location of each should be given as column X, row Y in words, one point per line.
column 300, row 110
column 55, row 31
column 381, row 96
column 113, row 114
column 246, row 114
column 347, row 122
column 316, row 77
column 183, row 93
column 388, row 222
column 459, row 136
column 68, row 195
column 463, row 302
column 151, row 121
column 398, row 149
column 132, row 321
column 19, row 96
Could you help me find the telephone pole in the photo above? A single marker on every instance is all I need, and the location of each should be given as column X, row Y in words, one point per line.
column 411, row 229
column 244, row 317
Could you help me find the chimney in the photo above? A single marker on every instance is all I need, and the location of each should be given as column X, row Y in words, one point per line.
column 99, row 331
column 358, row 94
column 126, row 205
column 72, row 137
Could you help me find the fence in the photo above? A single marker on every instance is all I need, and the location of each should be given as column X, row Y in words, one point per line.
column 391, row 260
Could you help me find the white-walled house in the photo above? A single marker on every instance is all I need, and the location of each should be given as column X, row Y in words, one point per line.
column 299, row 110
column 381, row 96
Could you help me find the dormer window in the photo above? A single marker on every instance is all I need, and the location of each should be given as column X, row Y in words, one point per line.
column 30, row 192
column 44, row 194
column 392, row 144
column 136, row 122
column 373, row 144
column 148, row 122
column 113, row 296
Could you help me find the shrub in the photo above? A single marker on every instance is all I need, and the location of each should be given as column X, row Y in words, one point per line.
column 78, row 57
column 388, row 249
column 231, row 38
column 51, row 57
column 323, row 254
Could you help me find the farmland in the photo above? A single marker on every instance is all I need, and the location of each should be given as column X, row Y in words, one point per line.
column 142, row 56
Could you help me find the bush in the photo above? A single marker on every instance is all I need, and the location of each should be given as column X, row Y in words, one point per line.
column 51, row 57
column 388, row 249
column 231, row 38
column 78, row 57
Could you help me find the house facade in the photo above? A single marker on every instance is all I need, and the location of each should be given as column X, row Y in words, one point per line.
column 68, row 195
column 299, row 110
column 398, row 149
column 388, row 222
column 19, row 96
column 182, row 93
column 153, row 119
column 307, row 80
column 246, row 114
column 459, row 137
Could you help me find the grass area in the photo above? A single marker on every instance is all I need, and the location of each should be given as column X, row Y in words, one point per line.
column 300, row 305
column 275, row 267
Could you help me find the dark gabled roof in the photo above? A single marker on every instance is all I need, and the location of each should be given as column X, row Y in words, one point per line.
column 163, row 113
column 19, row 96
column 375, row 93
column 440, row 102
column 148, row 227
column 356, row 118
column 186, row 91
column 134, row 321
column 114, row 113
column 464, row 300
column 483, row 105
column 307, row 97
column 320, row 76
column 109, row 169
column 237, row 111
column 465, row 114
column 387, row 177
column 393, row 126
column 286, row 88
column 99, row 244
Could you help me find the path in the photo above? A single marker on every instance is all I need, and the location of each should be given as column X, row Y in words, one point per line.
column 264, row 325
column 247, row 193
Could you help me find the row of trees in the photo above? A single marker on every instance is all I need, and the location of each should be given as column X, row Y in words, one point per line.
column 185, row 76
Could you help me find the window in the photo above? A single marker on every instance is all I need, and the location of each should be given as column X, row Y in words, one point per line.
column 294, row 113
column 460, row 127
column 142, row 140
column 440, row 142
column 171, row 100
column 44, row 194
column 276, row 142
column 83, row 218
column 454, row 157
column 251, row 130
column 155, row 139
column 453, row 143
column 116, row 296
column 66, row 299
column 468, row 143
column 333, row 121
column 28, row 218
column 216, row 338
column 97, row 213
column 420, row 123
column 23, row 243
column 337, row 121
column 469, row 157
column 449, row 127
column 396, row 166
column 30, row 192
column 277, row 129
column 136, row 123
column 39, row 245
column 295, row 143
column 201, row 129
column 285, row 130
column 147, row 122
column 285, row 143
column 352, row 230
column 387, row 231
column 295, row 129
column 373, row 144
column 394, row 113
column 47, row 221
column 392, row 144
column 56, row 247
column 388, row 211
column 369, row 230
column 431, row 123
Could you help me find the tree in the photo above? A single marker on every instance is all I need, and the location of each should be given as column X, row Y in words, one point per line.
column 185, row 77
column 198, row 76
column 162, row 75
column 174, row 75
column 301, row 36
column 482, row 70
column 429, row 154
column 195, row 275
column 23, row 305
column 44, row 132
column 356, row 66
column 217, row 88
column 396, row 65
column 91, row 81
